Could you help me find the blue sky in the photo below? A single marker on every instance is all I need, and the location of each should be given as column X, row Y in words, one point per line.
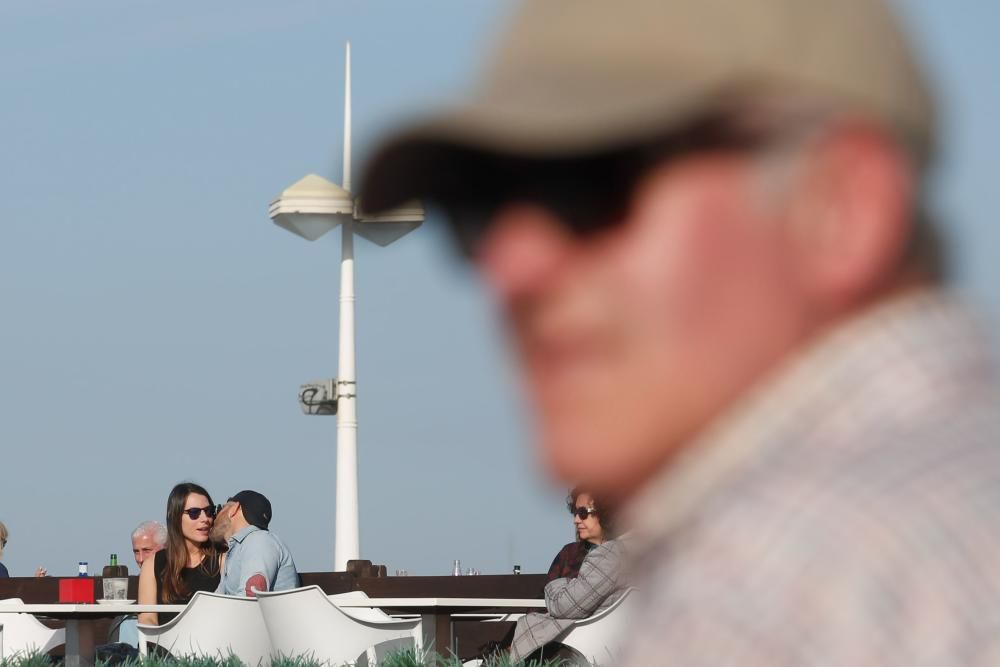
column 156, row 325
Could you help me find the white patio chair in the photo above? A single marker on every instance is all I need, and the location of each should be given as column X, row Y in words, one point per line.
column 372, row 614
column 305, row 622
column 212, row 626
column 594, row 640
column 597, row 639
column 23, row 633
column 365, row 613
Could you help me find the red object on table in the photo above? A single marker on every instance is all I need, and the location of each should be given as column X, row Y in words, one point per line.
column 77, row 590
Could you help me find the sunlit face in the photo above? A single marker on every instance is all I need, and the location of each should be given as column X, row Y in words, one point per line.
column 144, row 547
column 632, row 340
column 196, row 530
column 220, row 529
column 589, row 529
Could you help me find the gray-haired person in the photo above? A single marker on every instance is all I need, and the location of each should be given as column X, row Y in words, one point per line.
column 148, row 538
column 704, row 221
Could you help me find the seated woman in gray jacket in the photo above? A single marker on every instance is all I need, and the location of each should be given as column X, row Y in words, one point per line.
column 598, row 584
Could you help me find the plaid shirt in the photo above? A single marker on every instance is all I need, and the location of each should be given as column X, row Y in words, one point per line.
column 844, row 513
column 599, row 583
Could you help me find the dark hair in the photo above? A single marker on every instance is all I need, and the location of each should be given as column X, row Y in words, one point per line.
column 605, row 513
column 174, row 587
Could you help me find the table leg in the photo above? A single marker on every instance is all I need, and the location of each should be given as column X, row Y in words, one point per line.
column 80, row 645
column 437, row 634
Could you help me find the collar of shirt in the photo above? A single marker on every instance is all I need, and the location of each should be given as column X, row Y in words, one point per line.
column 892, row 362
column 242, row 535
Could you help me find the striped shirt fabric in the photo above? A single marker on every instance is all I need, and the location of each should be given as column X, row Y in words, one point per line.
column 845, row 512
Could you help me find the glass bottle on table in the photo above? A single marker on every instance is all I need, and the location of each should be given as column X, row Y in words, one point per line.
column 111, row 569
column 115, row 579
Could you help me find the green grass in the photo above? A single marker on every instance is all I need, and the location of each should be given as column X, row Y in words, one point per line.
column 408, row 658
column 32, row 660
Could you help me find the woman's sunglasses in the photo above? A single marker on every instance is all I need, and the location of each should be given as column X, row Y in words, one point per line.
column 583, row 512
column 195, row 512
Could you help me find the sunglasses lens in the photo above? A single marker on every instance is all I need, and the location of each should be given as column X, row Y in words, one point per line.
column 468, row 224
column 210, row 512
column 587, row 196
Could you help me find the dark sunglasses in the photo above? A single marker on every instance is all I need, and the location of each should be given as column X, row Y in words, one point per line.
column 195, row 512
column 588, row 194
column 583, row 512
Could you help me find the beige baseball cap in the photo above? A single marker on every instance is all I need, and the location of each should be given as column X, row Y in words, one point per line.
column 576, row 77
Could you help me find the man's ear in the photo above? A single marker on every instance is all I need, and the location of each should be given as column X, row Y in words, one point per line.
column 851, row 215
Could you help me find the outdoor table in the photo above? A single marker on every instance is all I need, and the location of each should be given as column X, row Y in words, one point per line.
column 81, row 621
column 436, row 613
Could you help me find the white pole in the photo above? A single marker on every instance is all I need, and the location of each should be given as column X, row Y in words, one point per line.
column 347, row 540
column 347, row 119
column 347, row 545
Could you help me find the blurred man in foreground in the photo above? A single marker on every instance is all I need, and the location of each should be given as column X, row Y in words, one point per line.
column 704, row 221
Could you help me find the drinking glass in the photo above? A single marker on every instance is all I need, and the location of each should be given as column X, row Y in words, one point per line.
column 115, row 588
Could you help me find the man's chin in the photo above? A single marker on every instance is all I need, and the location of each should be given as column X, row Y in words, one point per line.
column 576, row 458
column 608, row 451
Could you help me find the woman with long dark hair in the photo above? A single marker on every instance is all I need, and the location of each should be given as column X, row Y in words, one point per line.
column 190, row 562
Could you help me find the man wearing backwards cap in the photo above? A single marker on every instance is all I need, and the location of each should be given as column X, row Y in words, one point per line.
column 704, row 221
column 257, row 560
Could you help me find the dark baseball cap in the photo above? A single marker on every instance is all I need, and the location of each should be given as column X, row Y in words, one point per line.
column 571, row 78
column 256, row 508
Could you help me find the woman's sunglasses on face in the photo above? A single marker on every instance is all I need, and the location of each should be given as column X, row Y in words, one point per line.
column 583, row 512
column 195, row 512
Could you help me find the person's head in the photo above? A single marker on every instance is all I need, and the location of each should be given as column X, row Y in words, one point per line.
column 246, row 508
column 190, row 512
column 591, row 520
column 668, row 198
column 148, row 538
column 3, row 537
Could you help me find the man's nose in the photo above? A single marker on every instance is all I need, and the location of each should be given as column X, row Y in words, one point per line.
column 523, row 248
